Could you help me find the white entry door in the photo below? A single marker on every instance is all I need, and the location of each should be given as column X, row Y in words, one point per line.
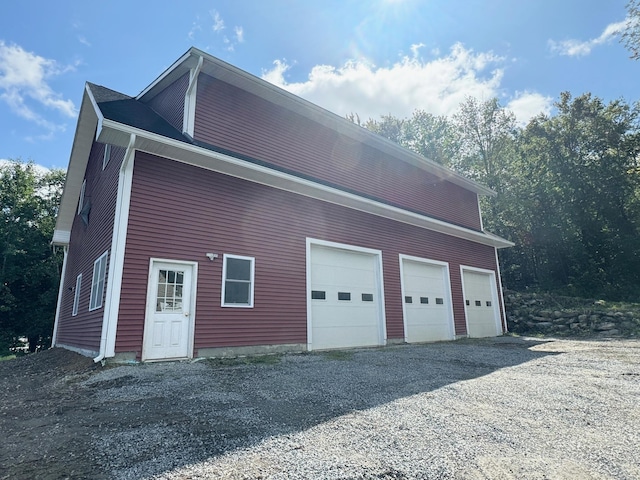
column 168, row 332
column 427, row 307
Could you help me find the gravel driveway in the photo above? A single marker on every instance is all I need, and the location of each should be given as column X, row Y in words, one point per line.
column 504, row 408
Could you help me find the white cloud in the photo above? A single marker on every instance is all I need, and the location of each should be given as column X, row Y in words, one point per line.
column 437, row 86
column 25, row 89
column 526, row 105
column 239, row 31
column 83, row 40
column 218, row 23
column 581, row 48
column 39, row 170
column 219, row 27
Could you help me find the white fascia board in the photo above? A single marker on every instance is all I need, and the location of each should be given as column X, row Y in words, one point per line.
column 169, row 75
column 228, row 165
column 89, row 119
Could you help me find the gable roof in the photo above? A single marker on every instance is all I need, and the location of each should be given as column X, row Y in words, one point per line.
column 228, row 73
column 111, row 117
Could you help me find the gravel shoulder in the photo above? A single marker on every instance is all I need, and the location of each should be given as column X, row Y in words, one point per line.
column 503, row 408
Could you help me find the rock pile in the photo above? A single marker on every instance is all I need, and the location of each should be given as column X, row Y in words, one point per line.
column 531, row 313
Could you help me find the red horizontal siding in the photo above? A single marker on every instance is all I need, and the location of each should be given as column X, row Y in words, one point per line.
column 182, row 212
column 86, row 245
column 233, row 119
column 170, row 102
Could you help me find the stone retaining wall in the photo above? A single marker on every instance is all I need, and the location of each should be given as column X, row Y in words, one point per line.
column 531, row 313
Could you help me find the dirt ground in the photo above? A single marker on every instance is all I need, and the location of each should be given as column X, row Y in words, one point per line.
column 44, row 420
column 54, row 410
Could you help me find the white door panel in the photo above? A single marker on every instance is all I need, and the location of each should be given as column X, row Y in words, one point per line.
column 426, row 301
column 483, row 318
column 345, row 304
column 168, row 320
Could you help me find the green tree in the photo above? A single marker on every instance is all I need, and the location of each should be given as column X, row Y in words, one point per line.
column 580, row 186
column 631, row 33
column 429, row 135
column 29, row 269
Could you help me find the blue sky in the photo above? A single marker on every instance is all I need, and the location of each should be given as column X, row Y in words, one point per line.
column 370, row 57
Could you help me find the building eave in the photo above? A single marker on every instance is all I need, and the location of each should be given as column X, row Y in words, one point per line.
column 89, row 122
column 119, row 134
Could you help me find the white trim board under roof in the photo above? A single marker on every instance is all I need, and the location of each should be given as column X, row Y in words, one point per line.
column 228, row 73
column 118, row 134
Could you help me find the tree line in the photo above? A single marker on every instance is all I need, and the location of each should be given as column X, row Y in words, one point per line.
column 29, row 268
column 567, row 187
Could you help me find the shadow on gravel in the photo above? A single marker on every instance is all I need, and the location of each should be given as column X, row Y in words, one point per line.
column 142, row 420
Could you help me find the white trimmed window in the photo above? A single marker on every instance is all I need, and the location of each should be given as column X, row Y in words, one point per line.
column 237, row 281
column 97, row 283
column 107, row 155
column 81, row 201
column 76, row 295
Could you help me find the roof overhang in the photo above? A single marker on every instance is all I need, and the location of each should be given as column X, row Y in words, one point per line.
column 228, row 73
column 89, row 121
column 119, row 134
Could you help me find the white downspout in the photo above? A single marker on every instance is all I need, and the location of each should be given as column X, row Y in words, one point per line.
column 65, row 250
column 116, row 259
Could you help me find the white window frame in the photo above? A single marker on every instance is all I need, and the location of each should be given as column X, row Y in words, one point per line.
column 98, row 282
column 224, row 281
column 76, row 295
column 81, row 201
column 107, row 155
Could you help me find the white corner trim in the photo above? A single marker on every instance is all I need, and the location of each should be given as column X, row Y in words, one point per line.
column 116, row 264
column 480, row 213
column 505, row 327
column 65, row 251
column 189, row 120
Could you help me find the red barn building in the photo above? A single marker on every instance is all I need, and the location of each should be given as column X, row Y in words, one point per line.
column 217, row 214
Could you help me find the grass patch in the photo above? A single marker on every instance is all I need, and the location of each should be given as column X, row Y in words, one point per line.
column 340, row 355
column 248, row 360
column 8, row 357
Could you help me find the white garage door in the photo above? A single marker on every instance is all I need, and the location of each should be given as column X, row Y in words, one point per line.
column 345, row 303
column 481, row 304
column 428, row 316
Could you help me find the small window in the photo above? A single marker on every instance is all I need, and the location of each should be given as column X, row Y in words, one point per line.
column 408, row 299
column 237, row 281
column 467, row 302
column 478, row 303
column 424, row 300
column 76, row 295
column 81, row 201
column 439, row 301
column 97, row 283
column 344, row 295
column 488, row 303
column 367, row 297
column 107, row 155
column 318, row 295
